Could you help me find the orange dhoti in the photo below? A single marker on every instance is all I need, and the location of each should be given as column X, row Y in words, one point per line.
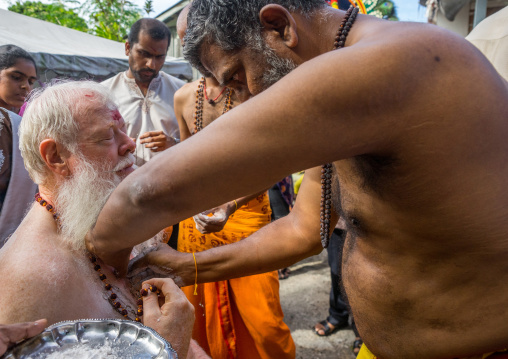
column 237, row 318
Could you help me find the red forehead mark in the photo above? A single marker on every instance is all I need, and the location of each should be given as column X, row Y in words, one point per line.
column 116, row 115
column 88, row 95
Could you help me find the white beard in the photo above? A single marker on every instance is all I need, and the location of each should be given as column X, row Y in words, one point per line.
column 81, row 198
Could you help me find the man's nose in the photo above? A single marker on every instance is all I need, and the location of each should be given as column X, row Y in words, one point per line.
column 151, row 63
column 127, row 145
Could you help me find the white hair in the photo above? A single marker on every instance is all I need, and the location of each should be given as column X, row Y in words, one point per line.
column 52, row 112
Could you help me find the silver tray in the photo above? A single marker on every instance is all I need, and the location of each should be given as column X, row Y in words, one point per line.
column 128, row 339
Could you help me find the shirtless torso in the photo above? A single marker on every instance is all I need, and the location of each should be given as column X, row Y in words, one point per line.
column 416, row 119
column 42, row 278
column 185, row 106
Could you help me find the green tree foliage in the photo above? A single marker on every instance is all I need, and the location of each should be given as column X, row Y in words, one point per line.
column 111, row 19
column 148, row 8
column 56, row 13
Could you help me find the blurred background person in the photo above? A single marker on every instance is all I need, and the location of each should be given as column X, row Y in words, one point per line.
column 18, row 74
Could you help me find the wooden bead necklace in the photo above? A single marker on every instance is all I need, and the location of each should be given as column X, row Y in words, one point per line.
column 326, row 170
column 200, row 93
column 112, row 298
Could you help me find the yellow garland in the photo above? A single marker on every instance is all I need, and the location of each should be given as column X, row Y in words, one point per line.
column 195, row 280
column 360, row 4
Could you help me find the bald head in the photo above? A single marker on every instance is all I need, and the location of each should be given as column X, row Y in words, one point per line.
column 181, row 22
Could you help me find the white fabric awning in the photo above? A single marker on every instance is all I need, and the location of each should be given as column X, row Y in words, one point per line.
column 71, row 53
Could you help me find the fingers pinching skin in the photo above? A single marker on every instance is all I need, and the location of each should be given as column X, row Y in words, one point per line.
column 12, row 333
column 173, row 319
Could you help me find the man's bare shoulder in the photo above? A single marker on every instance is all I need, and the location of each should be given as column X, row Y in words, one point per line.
column 184, row 93
column 31, row 272
column 413, row 46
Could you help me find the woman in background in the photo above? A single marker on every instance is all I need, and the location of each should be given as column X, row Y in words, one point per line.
column 17, row 76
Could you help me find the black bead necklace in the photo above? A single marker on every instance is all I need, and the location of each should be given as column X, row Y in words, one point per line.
column 326, row 170
column 200, row 94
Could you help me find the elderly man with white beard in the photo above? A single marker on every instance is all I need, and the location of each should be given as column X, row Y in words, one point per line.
column 75, row 148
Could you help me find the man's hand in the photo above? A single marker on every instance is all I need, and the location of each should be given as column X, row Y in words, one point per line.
column 170, row 314
column 163, row 262
column 11, row 334
column 217, row 221
column 157, row 141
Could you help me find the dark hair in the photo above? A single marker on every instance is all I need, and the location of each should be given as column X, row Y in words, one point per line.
column 10, row 54
column 156, row 29
column 232, row 24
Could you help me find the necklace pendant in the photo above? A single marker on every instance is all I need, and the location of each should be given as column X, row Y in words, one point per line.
column 211, row 102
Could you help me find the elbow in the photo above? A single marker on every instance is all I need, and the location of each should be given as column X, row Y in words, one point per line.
column 139, row 193
column 148, row 193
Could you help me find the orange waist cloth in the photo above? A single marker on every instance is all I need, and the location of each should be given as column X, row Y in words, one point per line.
column 238, row 318
column 246, row 220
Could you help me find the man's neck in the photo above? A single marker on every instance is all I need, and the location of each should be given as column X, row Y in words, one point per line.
column 47, row 195
column 319, row 31
column 143, row 86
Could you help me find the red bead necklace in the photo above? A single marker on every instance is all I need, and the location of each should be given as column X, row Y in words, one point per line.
column 327, row 169
column 212, row 102
column 198, row 114
column 112, row 298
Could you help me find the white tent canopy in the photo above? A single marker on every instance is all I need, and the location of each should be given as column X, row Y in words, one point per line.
column 63, row 52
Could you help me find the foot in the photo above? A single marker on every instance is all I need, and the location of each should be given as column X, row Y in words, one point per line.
column 284, row 273
column 324, row 328
column 357, row 344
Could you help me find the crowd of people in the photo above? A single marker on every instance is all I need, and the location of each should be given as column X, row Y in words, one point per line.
column 406, row 147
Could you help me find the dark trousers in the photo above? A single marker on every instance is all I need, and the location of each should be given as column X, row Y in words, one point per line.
column 339, row 307
column 277, row 203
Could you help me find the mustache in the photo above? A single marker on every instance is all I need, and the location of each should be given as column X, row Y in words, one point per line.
column 147, row 70
column 125, row 161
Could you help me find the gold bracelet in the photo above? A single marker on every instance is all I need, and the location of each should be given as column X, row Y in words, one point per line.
column 236, row 204
column 196, row 280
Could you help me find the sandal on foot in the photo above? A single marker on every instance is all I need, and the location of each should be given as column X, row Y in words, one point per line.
column 283, row 273
column 357, row 344
column 325, row 327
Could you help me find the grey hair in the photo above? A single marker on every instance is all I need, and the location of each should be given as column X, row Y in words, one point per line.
column 232, row 24
column 52, row 112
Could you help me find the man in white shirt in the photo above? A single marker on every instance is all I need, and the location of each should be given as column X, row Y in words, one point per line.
column 491, row 38
column 143, row 94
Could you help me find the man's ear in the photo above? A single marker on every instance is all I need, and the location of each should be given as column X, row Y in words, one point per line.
column 127, row 48
column 51, row 154
column 277, row 21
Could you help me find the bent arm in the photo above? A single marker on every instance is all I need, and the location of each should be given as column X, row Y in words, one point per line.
column 251, row 147
column 277, row 245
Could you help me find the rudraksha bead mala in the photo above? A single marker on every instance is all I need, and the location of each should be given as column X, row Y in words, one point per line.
column 112, row 298
column 200, row 94
column 326, row 170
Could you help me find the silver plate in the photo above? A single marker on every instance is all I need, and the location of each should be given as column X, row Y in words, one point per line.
column 130, row 340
